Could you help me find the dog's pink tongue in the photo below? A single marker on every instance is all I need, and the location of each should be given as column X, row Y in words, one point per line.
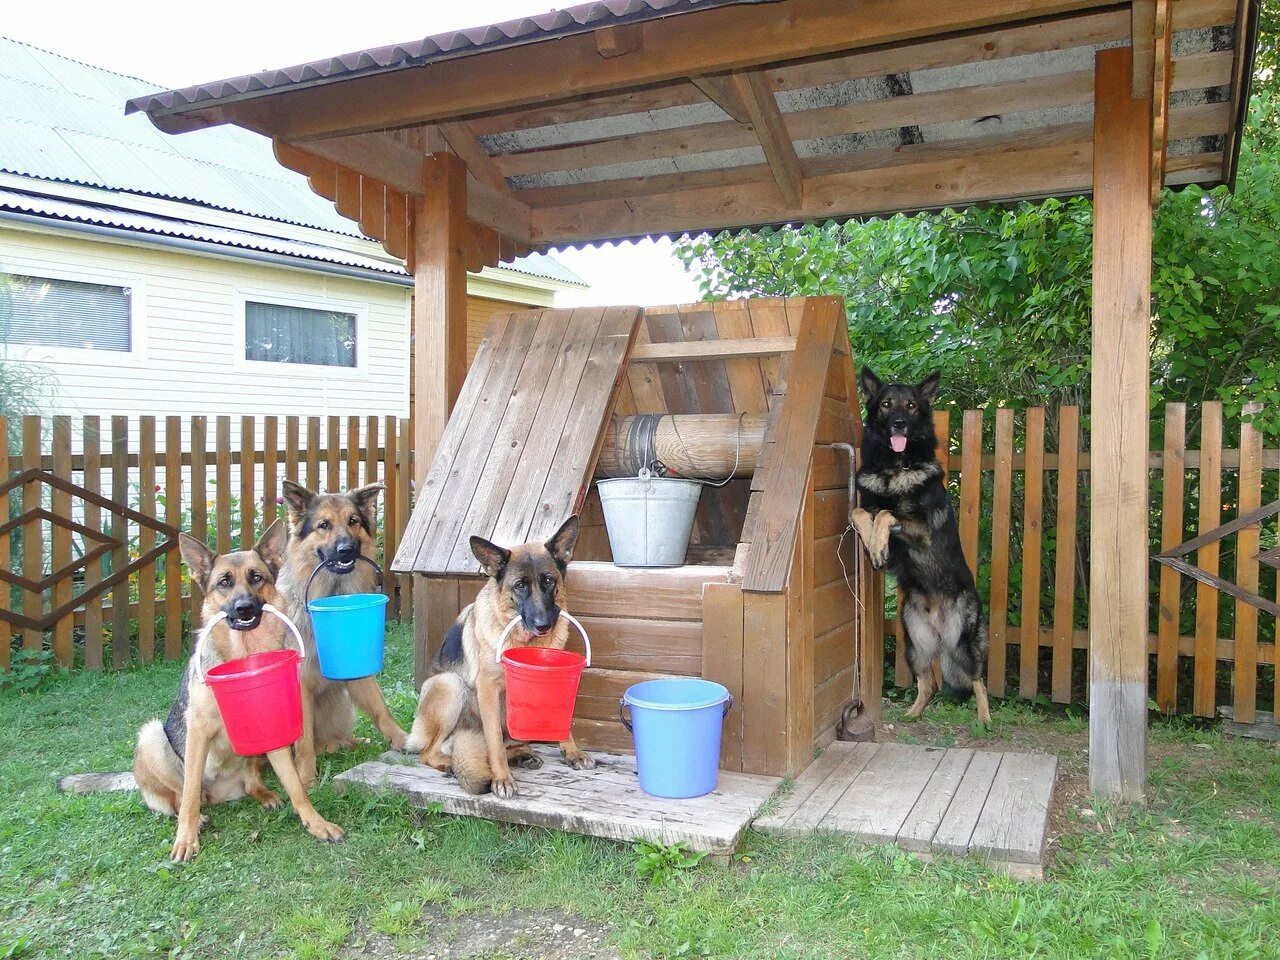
column 899, row 443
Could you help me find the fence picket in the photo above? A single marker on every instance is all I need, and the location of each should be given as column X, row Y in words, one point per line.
column 314, row 483
column 1170, row 603
column 120, row 531
column 332, row 456
column 1032, row 531
column 1064, row 561
column 970, row 486
column 146, row 538
column 404, row 503
column 1205, row 682
column 390, row 532
column 1245, row 693
column 173, row 517
column 6, row 632
column 270, row 471
column 91, row 443
column 222, row 483
column 60, row 554
column 32, row 532
column 248, row 469
column 199, row 504
column 1001, row 509
column 353, row 452
column 291, row 425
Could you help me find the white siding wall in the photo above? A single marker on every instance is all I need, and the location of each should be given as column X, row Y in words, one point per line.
column 188, row 335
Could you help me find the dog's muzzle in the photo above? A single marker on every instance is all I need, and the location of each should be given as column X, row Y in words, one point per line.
column 243, row 615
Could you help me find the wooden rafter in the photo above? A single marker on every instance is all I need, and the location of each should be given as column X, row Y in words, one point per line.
column 1161, row 85
column 771, row 131
column 462, row 140
column 619, row 40
column 724, row 94
column 544, row 71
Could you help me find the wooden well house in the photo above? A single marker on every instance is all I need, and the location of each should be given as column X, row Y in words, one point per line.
column 752, row 392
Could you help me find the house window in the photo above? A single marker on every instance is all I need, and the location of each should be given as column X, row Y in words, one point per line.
column 276, row 333
column 43, row 312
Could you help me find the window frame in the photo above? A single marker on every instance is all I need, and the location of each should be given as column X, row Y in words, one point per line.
column 136, row 355
column 360, row 310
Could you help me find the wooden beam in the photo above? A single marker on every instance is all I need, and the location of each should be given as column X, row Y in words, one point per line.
column 1161, row 85
column 440, row 239
column 766, row 118
column 1142, row 35
column 619, row 40
column 724, row 94
column 674, row 47
column 712, row 349
column 1122, row 223
column 462, row 141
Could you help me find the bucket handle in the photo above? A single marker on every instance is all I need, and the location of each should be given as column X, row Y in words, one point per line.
column 198, row 654
column 626, row 721
column 502, row 640
column 306, row 592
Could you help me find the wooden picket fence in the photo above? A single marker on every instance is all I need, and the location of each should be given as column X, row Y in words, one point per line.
column 1023, row 511
column 216, row 478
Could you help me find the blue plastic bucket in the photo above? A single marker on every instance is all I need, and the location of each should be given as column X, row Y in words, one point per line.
column 676, row 724
column 351, row 633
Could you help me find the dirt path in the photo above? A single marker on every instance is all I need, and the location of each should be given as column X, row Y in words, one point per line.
column 519, row 935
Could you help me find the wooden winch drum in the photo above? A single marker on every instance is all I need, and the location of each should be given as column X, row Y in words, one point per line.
column 694, row 446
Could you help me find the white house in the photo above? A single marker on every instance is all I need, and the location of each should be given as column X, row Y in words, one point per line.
column 150, row 274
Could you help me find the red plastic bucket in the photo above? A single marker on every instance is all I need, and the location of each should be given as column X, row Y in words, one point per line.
column 259, row 696
column 542, row 686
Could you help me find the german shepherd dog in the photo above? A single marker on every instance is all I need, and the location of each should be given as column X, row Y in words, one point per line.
column 193, row 738
column 461, row 720
column 908, row 526
column 335, row 529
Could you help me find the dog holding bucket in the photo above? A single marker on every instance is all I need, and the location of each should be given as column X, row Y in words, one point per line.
column 461, row 723
column 330, row 551
column 239, row 588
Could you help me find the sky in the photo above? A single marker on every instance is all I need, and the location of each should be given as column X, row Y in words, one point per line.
column 178, row 44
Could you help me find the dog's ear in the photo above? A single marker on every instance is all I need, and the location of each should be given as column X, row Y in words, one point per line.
column 298, row 499
column 929, row 386
column 562, row 542
column 364, row 498
column 270, row 546
column 493, row 559
column 871, row 385
column 198, row 558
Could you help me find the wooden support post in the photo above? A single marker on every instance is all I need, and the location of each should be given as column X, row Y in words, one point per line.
column 1120, row 388
column 440, row 333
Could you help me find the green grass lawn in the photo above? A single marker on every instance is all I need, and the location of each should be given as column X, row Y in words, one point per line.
column 1197, row 873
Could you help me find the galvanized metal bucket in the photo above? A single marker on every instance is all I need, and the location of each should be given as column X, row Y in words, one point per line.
column 649, row 518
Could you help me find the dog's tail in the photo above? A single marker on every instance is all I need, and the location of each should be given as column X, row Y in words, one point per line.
column 471, row 761
column 97, row 782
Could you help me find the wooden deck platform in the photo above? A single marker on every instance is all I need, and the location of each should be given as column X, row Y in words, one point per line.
column 928, row 800
column 603, row 802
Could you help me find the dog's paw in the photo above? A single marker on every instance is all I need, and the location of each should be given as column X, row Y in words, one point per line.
column 322, row 829
column 504, row 787
column 398, row 740
column 579, row 761
column 269, row 799
column 529, row 761
column 185, row 847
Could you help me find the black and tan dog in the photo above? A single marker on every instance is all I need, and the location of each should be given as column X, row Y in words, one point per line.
column 193, row 738
column 908, row 526
column 335, row 529
column 461, row 720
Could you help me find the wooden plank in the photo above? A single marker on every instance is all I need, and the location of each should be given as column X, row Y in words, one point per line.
column 405, row 467
column 766, row 120
column 970, row 486
column 440, row 300
column 1032, row 532
column 672, row 593
column 32, row 532
column 1001, row 511
column 569, row 476
column 1173, row 478
column 507, row 513
column 248, row 430
column 1118, row 559
column 333, row 454
column 146, row 538
column 1013, row 821
column 764, row 705
column 806, row 808
column 722, row 660
column 883, row 794
column 605, row 801
column 1064, row 562
column 480, row 165
column 6, row 631
column 60, row 552
column 291, row 426
column 799, row 643
column 918, row 829
column 371, row 462
column 313, row 480
column 726, row 349
column 722, row 91
column 644, row 644
column 120, row 531
column 955, row 832
column 173, row 645
column 1245, row 699
column 270, row 471
column 390, row 505
column 199, row 503
column 222, row 482
column 775, row 528
column 1204, row 692
column 353, row 453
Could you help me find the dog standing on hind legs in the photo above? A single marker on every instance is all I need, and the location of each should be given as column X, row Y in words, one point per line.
column 193, row 738
column 335, row 529
column 461, row 718
column 908, row 526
